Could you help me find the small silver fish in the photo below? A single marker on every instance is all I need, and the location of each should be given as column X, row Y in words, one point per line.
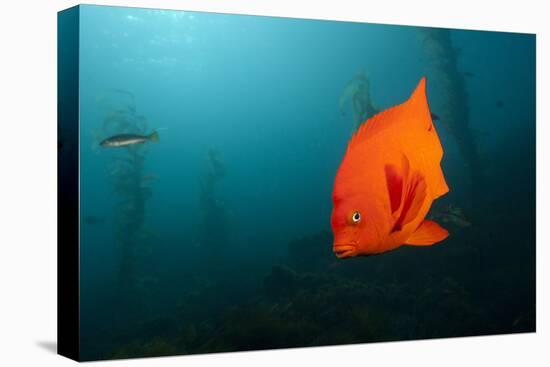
column 124, row 140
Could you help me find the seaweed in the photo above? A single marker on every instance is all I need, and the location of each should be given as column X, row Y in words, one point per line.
column 432, row 294
column 357, row 92
column 130, row 185
column 213, row 215
column 455, row 112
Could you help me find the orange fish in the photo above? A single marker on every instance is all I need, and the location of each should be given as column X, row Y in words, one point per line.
column 387, row 181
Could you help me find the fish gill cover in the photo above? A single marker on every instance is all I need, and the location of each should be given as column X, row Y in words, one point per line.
column 218, row 237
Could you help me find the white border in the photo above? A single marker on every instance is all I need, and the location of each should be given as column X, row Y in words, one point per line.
column 28, row 184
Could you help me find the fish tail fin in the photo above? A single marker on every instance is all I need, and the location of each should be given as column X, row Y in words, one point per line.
column 442, row 188
column 154, row 137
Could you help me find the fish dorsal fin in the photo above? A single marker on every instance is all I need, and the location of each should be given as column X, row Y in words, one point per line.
column 413, row 193
column 417, row 111
column 414, row 110
column 372, row 126
column 418, row 97
column 427, row 234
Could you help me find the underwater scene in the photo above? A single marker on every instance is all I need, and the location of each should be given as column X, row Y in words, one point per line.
column 254, row 182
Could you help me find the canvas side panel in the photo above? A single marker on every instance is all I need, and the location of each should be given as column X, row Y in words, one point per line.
column 68, row 183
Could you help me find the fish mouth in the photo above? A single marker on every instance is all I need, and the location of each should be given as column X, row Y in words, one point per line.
column 343, row 251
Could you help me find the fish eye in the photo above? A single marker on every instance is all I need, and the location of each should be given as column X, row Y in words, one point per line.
column 356, row 217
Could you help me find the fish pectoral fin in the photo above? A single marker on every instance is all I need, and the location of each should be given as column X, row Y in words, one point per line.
column 412, row 198
column 394, row 182
column 427, row 234
column 396, row 177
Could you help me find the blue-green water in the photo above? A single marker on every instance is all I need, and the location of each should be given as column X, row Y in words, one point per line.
column 218, row 237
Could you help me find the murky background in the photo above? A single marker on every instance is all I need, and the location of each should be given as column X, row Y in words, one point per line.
column 218, row 237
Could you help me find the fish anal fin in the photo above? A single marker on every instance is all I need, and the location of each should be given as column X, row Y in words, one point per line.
column 427, row 234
